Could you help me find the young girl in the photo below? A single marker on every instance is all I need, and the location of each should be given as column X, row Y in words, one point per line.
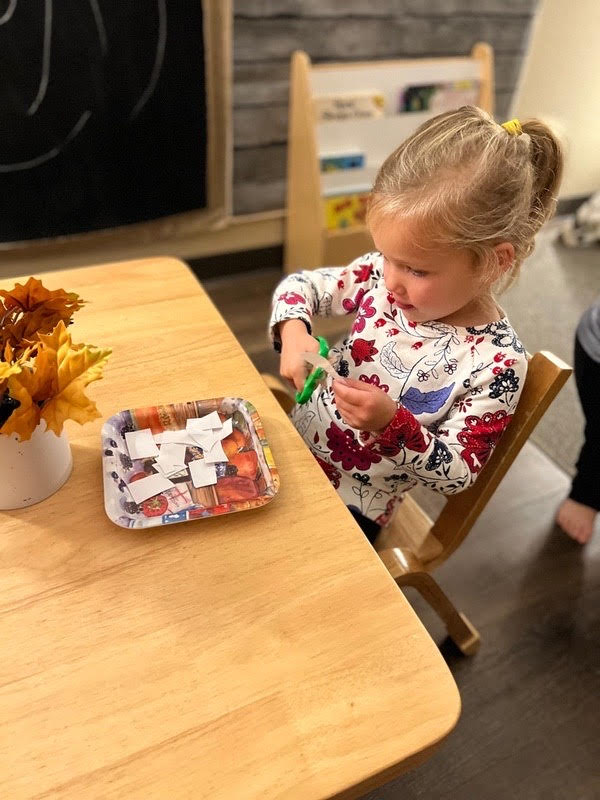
column 431, row 371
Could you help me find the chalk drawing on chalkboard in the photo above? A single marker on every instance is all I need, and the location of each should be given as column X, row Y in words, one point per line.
column 87, row 89
column 41, row 92
column 35, row 162
column 100, row 25
column 158, row 60
column 12, row 4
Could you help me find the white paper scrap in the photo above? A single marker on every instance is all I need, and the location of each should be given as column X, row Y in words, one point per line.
column 215, row 454
column 172, row 451
column 208, row 422
column 315, row 360
column 174, row 471
column 148, row 487
column 167, row 437
column 203, row 474
column 227, row 429
column 141, row 444
column 205, row 439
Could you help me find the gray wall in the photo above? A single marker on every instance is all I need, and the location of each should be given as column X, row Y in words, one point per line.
column 266, row 32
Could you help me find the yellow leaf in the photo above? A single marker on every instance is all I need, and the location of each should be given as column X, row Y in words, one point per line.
column 76, row 368
column 6, row 370
column 24, row 419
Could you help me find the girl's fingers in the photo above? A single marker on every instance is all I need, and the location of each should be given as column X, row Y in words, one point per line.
column 352, row 384
column 348, row 417
column 348, row 393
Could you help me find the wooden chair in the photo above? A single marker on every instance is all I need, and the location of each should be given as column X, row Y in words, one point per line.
column 412, row 545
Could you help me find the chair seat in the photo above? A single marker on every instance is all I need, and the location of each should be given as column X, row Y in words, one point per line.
column 410, row 529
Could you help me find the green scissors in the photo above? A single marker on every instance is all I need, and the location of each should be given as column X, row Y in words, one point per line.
column 315, row 377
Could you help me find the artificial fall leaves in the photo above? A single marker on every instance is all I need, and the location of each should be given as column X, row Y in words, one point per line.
column 42, row 373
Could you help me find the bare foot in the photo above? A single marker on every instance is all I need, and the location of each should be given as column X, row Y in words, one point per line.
column 576, row 520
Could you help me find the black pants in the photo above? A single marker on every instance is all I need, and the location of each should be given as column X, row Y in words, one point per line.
column 367, row 526
column 585, row 488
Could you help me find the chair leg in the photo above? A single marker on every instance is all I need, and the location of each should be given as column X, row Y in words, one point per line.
column 460, row 630
column 407, row 570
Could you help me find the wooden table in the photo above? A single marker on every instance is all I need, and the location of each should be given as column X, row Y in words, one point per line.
column 264, row 654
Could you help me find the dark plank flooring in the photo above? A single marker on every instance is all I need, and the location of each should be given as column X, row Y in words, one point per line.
column 530, row 723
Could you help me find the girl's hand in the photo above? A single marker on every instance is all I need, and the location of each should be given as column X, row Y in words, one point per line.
column 362, row 405
column 295, row 340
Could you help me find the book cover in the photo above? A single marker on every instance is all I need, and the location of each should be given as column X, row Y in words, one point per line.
column 344, row 211
column 353, row 105
column 332, row 162
column 438, row 97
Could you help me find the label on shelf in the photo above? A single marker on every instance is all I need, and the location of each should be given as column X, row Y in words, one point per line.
column 438, row 97
column 353, row 105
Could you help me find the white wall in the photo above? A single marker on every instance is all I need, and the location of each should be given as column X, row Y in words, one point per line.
column 560, row 82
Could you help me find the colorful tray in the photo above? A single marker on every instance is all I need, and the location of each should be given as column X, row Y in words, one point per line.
column 248, row 480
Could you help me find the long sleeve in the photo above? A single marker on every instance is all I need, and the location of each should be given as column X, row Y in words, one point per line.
column 448, row 456
column 326, row 292
column 456, row 389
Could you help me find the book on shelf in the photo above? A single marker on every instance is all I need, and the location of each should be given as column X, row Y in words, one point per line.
column 345, row 210
column 438, row 97
column 350, row 105
column 350, row 159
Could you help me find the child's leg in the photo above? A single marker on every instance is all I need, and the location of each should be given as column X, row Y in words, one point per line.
column 367, row 526
column 577, row 515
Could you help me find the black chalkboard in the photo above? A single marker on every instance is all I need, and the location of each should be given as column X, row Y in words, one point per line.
column 102, row 114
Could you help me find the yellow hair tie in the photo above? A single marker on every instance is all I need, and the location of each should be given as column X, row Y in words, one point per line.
column 513, row 126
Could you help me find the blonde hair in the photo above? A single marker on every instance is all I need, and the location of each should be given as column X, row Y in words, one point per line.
column 473, row 184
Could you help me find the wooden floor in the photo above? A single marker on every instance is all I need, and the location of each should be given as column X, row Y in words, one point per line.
column 530, row 724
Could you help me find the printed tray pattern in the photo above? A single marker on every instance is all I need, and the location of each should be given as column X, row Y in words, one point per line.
column 247, row 481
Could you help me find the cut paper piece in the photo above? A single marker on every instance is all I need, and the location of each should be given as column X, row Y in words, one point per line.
column 226, row 430
column 171, row 460
column 141, row 444
column 205, row 439
column 203, row 474
column 179, row 437
column 318, row 361
column 206, row 423
column 148, row 487
column 173, row 452
column 215, row 454
column 176, row 471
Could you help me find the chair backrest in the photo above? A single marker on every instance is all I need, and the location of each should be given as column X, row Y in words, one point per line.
column 546, row 374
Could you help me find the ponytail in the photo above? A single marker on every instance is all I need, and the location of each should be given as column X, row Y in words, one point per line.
column 547, row 161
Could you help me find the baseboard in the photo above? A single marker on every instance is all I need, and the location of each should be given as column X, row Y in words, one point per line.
column 226, row 264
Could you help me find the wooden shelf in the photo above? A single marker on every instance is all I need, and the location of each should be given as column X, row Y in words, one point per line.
column 308, row 242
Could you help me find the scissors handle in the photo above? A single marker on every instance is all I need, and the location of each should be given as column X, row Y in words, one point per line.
column 311, row 382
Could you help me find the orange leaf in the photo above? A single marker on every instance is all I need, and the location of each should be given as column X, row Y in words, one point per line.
column 33, row 293
column 31, row 309
column 77, row 366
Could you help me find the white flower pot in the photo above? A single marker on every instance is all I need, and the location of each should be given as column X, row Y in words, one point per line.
column 31, row 471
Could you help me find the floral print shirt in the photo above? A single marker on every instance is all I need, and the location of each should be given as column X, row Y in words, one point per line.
column 456, row 389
